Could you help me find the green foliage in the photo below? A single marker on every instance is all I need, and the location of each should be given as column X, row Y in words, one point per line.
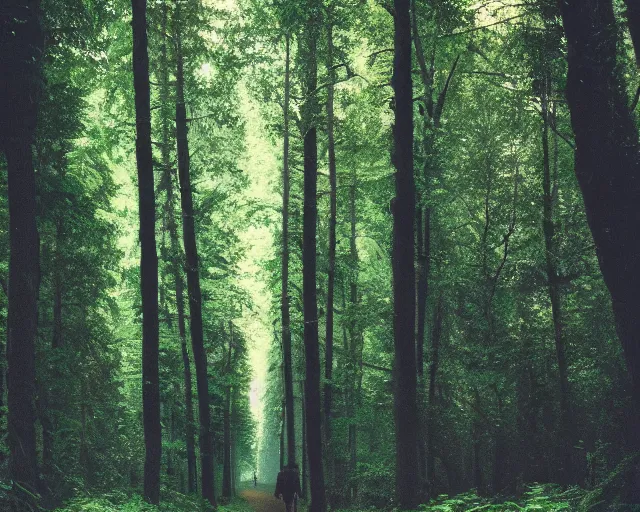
column 541, row 498
column 173, row 502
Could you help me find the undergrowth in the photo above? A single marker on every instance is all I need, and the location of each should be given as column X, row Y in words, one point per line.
column 547, row 498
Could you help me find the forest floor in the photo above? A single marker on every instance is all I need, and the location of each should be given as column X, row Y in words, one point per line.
column 261, row 499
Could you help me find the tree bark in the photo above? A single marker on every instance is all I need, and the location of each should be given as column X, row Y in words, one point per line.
column 21, row 45
column 286, row 318
column 193, row 277
column 607, row 166
column 234, row 438
column 328, row 362
column 304, row 443
column 436, row 337
column 404, row 371
column 354, row 338
column 192, row 477
column 176, row 259
column 284, row 412
column 226, row 466
column 309, row 293
column 57, row 289
column 149, row 258
column 567, row 475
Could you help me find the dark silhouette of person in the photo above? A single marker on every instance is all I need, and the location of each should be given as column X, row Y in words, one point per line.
column 288, row 487
column 255, row 479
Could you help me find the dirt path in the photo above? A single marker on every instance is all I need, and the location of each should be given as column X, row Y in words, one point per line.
column 262, row 501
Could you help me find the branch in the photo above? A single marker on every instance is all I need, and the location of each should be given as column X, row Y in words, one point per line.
column 376, row 367
column 372, row 56
column 203, row 116
column 554, row 127
column 437, row 113
column 475, row 29
column 507, row 235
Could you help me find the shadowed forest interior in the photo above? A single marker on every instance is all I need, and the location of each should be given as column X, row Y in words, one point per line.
column 393, row 242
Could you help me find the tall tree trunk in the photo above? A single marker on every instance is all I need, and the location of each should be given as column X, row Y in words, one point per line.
column 193, row 277
column 476, row 436
column 284, row 412
column 57, row 289
column 566, row 424
column 423, row 231
column 234, row 439
column 404, row 371
column 304, row 443
column 149, row 258
column 21, row 44
column 171, row 471
column 175, row 257
column 192, row 485
column 331, row 278
column 499, row 450
column 354, row 337
column 607, row 165
column 309, row 294
column 226, row 466
column 286, row 318
column 436, row 336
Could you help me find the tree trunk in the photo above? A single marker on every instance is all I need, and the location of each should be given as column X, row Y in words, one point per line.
column 328, row 362
column 309, row 294
column 42, row 406
column 172, row 438
column 192, row 485
column 21, row 44
column 226, row 466
column 499, row 451
column 149, row 258
column 286, row 318
column 284, row 412
column 176, row 260
column 436, row 336
column 304, row 443
column 567, row 475
column 607, row 165
column 234, row 439
column 193, row 278
column 476, row 436
column 423, row 229
column 57, row 289
column 404, row 382
column 352, row 395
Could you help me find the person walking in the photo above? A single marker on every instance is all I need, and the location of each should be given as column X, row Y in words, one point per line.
column 288, row 487
column 255, row 479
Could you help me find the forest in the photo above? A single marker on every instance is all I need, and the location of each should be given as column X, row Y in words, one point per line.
column 394, row 244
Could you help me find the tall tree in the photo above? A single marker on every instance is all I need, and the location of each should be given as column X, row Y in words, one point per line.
column 149, row 257
column 193, row 275
column 309, row 293
column 21, row 46
column 226, row 421
column 331, row 277
column 549, row 196
column 355, row 352
column 175, row 251
column 607, row 165
column 404, row 369
column 284, row 300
